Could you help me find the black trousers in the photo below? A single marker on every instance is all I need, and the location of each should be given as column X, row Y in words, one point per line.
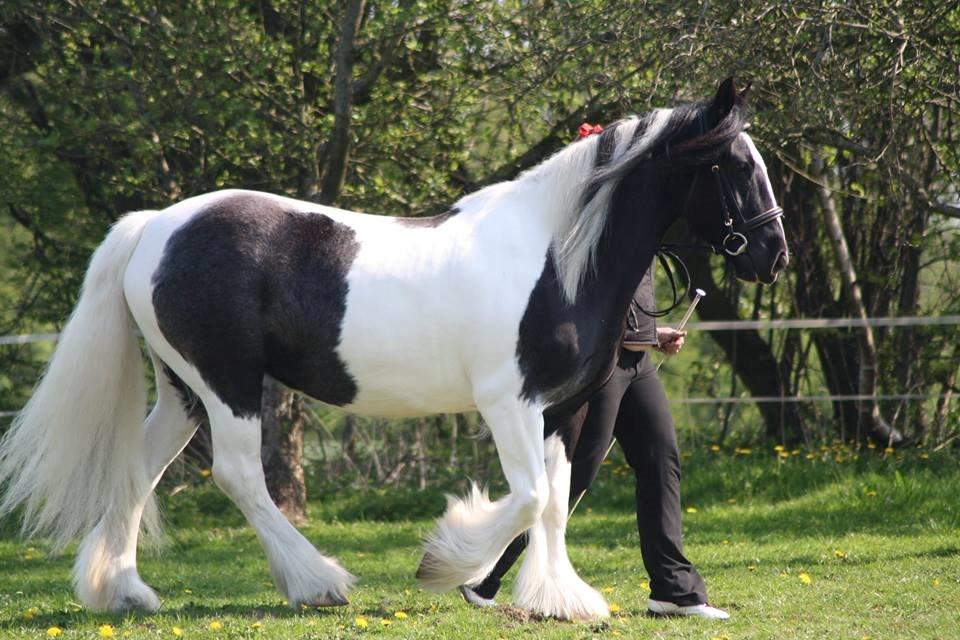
column 633, row 408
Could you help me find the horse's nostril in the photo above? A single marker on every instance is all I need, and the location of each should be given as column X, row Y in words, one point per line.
column 781, row 262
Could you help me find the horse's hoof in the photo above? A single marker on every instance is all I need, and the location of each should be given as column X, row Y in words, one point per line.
column 427, row 571
column 326, row 600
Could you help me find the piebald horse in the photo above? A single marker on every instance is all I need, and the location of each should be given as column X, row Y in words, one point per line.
column 510, row 303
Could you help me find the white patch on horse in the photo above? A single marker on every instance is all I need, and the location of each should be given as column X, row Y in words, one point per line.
column 547, row 582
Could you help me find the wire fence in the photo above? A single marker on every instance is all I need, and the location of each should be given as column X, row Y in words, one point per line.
column 728, row 325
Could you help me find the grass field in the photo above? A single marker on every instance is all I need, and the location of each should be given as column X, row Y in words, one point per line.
column 813, row 544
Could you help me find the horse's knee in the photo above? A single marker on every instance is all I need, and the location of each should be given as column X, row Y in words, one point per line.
column 532, row 501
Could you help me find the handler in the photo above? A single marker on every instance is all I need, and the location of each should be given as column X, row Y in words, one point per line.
column 632, row 407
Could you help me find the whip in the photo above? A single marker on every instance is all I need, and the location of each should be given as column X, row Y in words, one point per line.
column 699, row 293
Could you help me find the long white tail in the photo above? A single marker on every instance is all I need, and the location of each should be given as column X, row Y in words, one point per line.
column 75, row 450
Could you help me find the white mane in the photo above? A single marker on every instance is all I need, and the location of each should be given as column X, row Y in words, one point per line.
column 566, row 177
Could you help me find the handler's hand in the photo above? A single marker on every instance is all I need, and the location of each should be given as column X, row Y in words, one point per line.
column 671, row 340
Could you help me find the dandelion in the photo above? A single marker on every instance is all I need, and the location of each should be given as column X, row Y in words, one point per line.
column 607, row 589
column 691, row 509
column 106, row 631
column 386, row 622
column 811, row 456
column 751, row 567
column 805, row 578
column 645, row 585
column 177, row 631
column 871, row 494
column 256, row 625
column 839, row 553
column 779, row 448
column 400, row 615
column 361, row 622
column 216, row 625
column 715, row 448
column 924, row 456
column 783, row 454
column 29, row 613
column 53, row 632
column 188, row 591
column 205, row 473
column 614, row 607
column 888, row 450
column 936, row 582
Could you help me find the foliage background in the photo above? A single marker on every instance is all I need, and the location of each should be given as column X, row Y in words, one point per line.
column 120, row 105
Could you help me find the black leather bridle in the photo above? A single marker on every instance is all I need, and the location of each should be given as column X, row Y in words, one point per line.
column 735, row 242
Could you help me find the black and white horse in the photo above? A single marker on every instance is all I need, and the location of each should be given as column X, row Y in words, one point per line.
column 510, row 303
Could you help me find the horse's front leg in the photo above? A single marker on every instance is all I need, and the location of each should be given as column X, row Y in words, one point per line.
column 474, row 532
column 547, row 583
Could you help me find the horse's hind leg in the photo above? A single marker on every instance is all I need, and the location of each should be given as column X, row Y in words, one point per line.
column 547, row 583
column 301, row 573
column 105, row 574
column 474, row 532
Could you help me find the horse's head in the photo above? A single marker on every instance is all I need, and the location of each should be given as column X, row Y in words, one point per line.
column 726, row 194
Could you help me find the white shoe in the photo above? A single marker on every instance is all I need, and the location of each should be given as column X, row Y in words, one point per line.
column 661, row 608
column 474, row 598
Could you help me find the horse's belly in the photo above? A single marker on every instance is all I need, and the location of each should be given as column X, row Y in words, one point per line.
column 409, row 385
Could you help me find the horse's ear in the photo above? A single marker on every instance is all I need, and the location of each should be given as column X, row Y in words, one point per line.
column 723, row 102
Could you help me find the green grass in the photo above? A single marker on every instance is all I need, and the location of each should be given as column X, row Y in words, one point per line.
column 838, row 546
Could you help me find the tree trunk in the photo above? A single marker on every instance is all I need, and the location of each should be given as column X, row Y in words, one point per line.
column 281, row 449
column 876, row 427
column 338, row 146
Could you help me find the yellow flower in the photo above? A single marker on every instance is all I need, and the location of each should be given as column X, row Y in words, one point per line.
column 53, row 632
column 188, row 591
column 751, row 567
column 400, row 615
column 924, row 456
column 205, row 473
column 839, row 553
column 691, row 509
column 810, row 456
column 386, row 622
column 256, row 625
column 607, row 589
column 177, row 631
column 888, row 450
column 779, row 448
column 871, row 494
column 936, row 582
column 783, row 454
column 805, row 578
column 106, row 631
column 29, row 613
column 714, row 448
column 361, row 622
column 614, row 607
column 216, row 625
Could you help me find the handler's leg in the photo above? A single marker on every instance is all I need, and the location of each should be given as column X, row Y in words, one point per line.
column 646, row 433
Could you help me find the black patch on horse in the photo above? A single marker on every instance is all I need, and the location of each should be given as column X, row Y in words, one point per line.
column 248, row 288
column 428, row 221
